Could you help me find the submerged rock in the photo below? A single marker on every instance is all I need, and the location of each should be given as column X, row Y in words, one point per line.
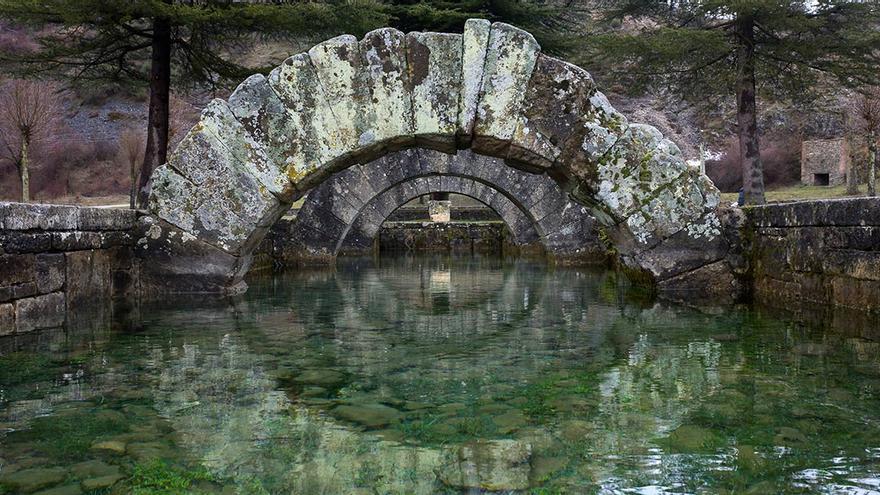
column 788, row 436
column 692, row 439
column 487, row 465
column 320, row 378
column 544, row 467
column 93, row 469
column 369, row 415
column 100, row 483
column 31, row 480
column 110, row 445
column 62, row 490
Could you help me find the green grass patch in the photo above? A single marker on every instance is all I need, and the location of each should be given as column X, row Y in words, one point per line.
column 161, row 478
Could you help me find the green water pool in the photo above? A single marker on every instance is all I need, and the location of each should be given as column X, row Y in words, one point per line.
column 440, row 375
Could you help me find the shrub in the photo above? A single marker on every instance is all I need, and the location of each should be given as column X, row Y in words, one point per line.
column 779, row 154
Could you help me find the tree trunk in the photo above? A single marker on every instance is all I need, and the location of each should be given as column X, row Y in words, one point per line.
column 25, row 174
column 852, row 179
column 132, row 194
column 872, row 165
column 747, row 114
column 156, row 153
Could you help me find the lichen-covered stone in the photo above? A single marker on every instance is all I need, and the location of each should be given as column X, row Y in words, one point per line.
column 206, row 191
column 388, row 112
column 475, row 42
column 218, row 120
column 510, row 60
column 348, row 101
column 434, row 72
column 556, row 101
column 315, row 137
column 338, row 63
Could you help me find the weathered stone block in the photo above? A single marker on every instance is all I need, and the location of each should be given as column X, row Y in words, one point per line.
column 714, row 282
column 434, row 61
column 557, row 99
column 50, row 272
column 338, row 64
column 76, row 240
column 389, row 111
column 225, row 206
column 102, row 219
column 25, row 242
column 313, row 140
column 87, row 276
column 46, row 311
column 252, row 154
column 16, row 269
column 475, row 42
column 510, row 60
column 7, row 319
column 173, row 261
column 26, row 216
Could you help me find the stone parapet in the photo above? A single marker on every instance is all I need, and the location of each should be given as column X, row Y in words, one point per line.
column 53, row 257
column 817, row 252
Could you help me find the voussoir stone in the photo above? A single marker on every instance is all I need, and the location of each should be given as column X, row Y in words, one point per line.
column 313, row 141
column 475, row 42
column 510, row 60
column 557, row 99
column 435, row 71
column 388, row 112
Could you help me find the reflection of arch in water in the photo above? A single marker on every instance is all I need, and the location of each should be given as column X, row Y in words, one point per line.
column 345, row 213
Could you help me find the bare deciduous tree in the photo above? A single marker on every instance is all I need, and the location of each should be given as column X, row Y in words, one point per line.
column 131, row 153
column 28, row 112
column 865, row 115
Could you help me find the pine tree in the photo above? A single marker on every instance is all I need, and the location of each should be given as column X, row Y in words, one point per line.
column 157, row 42
column 708, row 48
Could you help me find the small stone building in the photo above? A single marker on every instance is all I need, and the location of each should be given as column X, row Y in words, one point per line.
column 824, row 162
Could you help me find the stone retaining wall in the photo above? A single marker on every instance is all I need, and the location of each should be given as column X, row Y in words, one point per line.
column 452, row 237
column 55, row 257
column 816, row 252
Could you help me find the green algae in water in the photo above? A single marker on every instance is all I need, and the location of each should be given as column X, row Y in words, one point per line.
column 437, row 375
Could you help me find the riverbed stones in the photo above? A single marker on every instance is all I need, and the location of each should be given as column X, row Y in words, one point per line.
column 32, row 480
column 369, row 415
column 493, row 465
column 100, row 483
column 114, row 446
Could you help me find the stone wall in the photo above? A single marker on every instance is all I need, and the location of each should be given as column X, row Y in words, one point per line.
column 53, row 258
column 452, row 237
column 816, row 252
column 824, row 162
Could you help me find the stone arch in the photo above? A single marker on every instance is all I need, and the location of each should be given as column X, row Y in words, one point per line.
column 354, row 203
column 349, row 101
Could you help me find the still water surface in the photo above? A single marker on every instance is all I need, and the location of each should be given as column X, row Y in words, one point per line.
column 434, row 375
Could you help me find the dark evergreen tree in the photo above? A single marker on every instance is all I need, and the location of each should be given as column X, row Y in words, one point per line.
column 160, row 41
column 708, row 48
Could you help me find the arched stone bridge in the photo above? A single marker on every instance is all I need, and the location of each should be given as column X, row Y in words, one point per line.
column 349, row 101
column 345, row 213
